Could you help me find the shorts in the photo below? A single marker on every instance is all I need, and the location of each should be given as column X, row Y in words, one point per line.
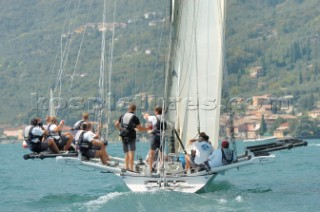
column 39, row 147
column 128, row 144
column 91, row 153
column 61, row 142
column 155, row 142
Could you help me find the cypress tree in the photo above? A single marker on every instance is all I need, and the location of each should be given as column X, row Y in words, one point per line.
column 263, row 126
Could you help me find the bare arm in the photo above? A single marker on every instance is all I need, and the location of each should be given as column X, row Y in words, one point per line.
column 141, row 128
column 59, row 127
column 117, row 125
column 45, row 132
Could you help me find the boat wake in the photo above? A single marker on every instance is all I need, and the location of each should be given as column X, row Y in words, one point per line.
column 94, row 205
column 317, row 145
column 225, row 201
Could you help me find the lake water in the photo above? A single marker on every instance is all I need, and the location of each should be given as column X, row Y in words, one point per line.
column 291, row 183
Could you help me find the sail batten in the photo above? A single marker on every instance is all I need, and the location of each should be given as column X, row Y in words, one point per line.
column 198, row 63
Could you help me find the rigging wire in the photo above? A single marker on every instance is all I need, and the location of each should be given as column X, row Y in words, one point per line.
column 101, row 95
column 80, row 47
column 65, row 53
column 57, row 53
column 110, row 70
column 158, row 55
column 135, row 91
column 165, row 99
column 64, row 56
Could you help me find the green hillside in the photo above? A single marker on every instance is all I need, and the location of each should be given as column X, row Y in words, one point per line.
column 36, row 35
column 281, row 36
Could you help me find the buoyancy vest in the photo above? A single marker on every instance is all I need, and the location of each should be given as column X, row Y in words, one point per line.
column 83, row 144
column 127, row 126
column 52, row 134
column 31, row 139
column 78, row 125
column 160, row 126
column 29, row 136
column 227, row 157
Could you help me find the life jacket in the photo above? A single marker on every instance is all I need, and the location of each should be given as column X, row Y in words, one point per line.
column 77, row 125
column 82, row 144
column 161, row 125
column 226, row 161
column 127, row 125
column 29, row 137
column 52, row 133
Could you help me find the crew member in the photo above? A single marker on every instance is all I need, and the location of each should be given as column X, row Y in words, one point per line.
column 127, row 123
column 89, row 145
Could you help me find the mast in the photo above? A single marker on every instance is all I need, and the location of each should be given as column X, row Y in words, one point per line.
column 101, row 97
column 110, row 72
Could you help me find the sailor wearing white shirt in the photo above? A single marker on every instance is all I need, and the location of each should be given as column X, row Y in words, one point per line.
column 156, row 126
column 63, row 141
column 201, row 149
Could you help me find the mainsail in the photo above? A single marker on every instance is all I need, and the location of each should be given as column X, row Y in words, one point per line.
column 195, row 76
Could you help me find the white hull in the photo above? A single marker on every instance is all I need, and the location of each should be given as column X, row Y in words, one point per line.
column 175, row 180
column 188, row 183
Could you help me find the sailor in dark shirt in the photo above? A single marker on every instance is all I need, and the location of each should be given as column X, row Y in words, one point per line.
column 127, row 124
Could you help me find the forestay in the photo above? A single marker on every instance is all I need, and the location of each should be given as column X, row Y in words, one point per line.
column 195, row 75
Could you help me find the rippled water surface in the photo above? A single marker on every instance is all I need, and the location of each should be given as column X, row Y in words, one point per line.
column 291, row 183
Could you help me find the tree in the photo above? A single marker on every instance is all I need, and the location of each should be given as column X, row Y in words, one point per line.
column 300, row 78
column 304, row 127
column 263, row 126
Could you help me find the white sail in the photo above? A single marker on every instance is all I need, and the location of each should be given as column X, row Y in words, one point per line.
column 197, row 67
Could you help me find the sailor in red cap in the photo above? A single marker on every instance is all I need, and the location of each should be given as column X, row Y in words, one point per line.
column 222, row 156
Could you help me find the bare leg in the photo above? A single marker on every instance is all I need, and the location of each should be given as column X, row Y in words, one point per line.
column 150, row 159
column 187, row 158
column 126, row 160
column 107, row 155
column 53, row 146
column 102, row 155
column 69, row 142
column 130, row 159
